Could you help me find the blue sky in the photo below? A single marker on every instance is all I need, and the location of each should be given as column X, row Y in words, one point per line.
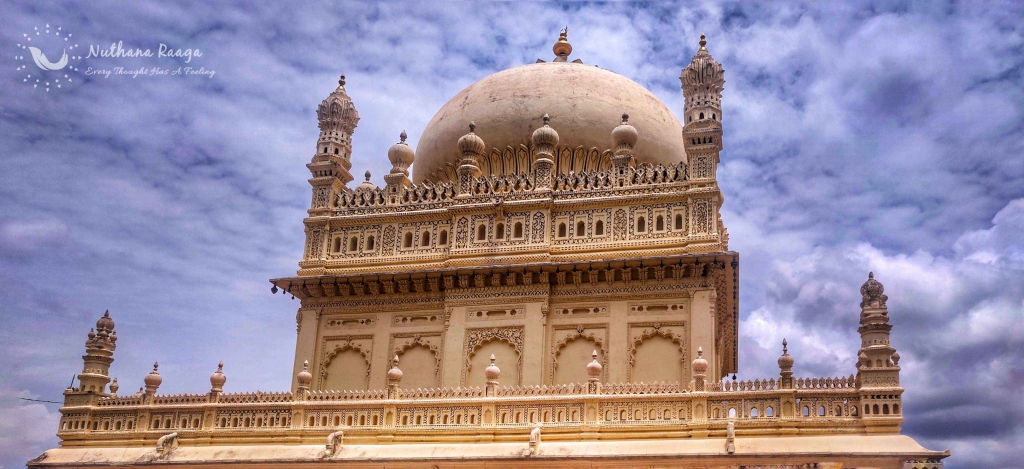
column 881, row 136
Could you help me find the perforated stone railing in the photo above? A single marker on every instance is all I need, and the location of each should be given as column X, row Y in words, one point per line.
column 638, row 405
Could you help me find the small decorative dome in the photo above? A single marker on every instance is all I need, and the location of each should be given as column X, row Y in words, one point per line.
column 895, row 358
column 114, row 386
column 785, row 361
column 105, row 323
column 217, row 379
column 624, row 134
column 304, row 377
column 337, row 113
column 92, row 333
column 153, row 379
column 366, row 185
column 492, row 372
column 700, row 365
column 470, row 143
column 545, row 138
column 872, row 293
column 395, row 374
column 401, row 156
column 594, row 368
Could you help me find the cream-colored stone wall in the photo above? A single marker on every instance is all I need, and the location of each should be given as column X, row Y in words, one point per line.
column 543, row 341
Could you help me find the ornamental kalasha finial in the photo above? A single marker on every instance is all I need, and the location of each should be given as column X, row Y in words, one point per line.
column 872, row 293
column 594, row 368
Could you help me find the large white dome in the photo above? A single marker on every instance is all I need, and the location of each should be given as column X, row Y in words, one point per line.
column 584, row 102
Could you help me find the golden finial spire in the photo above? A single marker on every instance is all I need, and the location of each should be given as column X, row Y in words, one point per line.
column 562, row 48
column 703, row 42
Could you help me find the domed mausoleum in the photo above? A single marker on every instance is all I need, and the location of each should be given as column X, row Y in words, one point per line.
column 545, row 280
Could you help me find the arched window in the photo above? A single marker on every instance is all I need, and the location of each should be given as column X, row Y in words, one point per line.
column 753, row 411
column 425, row 239
column 561, row 230
column 895, row 408
column 581, row 228
column 713, row 117
column 885, row 409
column 807, row 411
column 442, row 239
column 371, row 243
column 517, row 230
column 679, row 221
column 659, row 223
column 335, row 151
column 499, row 231
column 337, row 245
column 702, row 115
column 769, row 412
column 481, row 232
column 732, row 412
column 641, row 225
column 821, row 411
column 874, row 409
column 599, row 228
column 407, row 242
column 353, row 243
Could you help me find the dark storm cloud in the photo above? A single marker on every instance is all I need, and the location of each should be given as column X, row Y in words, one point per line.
column 881, row 136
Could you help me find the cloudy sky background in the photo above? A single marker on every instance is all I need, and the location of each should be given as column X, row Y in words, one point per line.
column 885, row 136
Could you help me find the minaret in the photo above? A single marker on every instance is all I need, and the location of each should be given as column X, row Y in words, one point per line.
column 99, row 354
column 878, row 371
column 330, row 167
column 702, row 83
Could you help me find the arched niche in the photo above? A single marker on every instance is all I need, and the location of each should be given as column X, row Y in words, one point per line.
column 346, row 368
column 571, row 360
column 419, row 367
column 507, row 359
column 656, row 359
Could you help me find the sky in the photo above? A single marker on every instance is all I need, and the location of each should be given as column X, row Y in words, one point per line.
column 883, row 136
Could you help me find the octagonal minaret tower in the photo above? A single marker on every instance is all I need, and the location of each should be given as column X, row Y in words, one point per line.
column 330, row 167
column 878, row 363
column 702, row 82
column 99, row 354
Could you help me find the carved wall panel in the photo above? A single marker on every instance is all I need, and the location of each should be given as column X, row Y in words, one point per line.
column 657, row 352
column 345, row 362
column 506, row 343
column 571, row 350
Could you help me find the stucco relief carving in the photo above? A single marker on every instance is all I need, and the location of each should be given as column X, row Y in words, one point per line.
column 475, row 338
column 332, row 346
column 432, row 341
column 564, row 335
column 639, row 332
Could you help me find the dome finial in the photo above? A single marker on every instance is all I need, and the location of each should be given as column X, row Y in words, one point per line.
column 367, row 175
column 403, row 136
column 562, row 48
column 341, row 81
column 547, row 119
column 703, row 42
column 472, row 126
